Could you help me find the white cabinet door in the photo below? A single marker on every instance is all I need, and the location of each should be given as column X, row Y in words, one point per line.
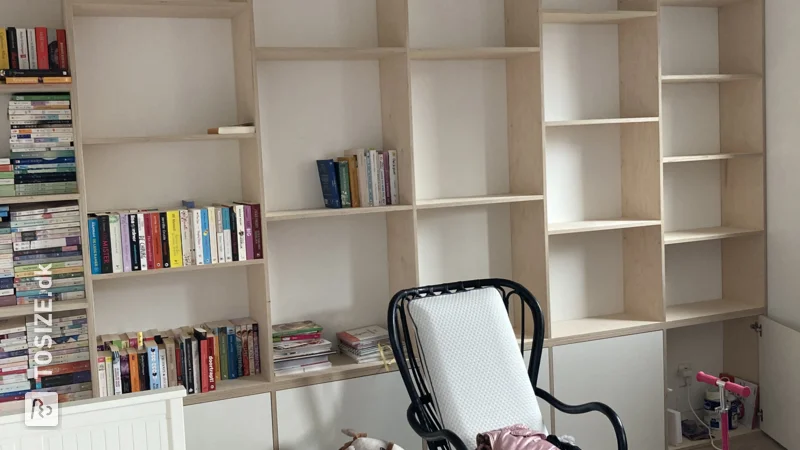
column 779, row 365
column 543, row 382
column 311, row 418
column 626, row 373
column 243, row 423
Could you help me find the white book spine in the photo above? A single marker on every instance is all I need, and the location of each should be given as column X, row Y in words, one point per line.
column 22, row 49
column 373, row 176
column 197, row 230
column 101, row 377
column 220, row 236
column 142, row 241
column 196, row 363
column 109, row 376
column 116, row 243
column 226, row 235
column 33, row 61
column 186, row 238
column 381, row 180
column 393, row 183
column 162, row 361
column 212, row 233
column 240, row 238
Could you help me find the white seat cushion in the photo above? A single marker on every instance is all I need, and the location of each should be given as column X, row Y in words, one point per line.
column 474, row 366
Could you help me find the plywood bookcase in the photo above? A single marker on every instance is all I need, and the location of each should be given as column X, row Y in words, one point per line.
column 591, row 149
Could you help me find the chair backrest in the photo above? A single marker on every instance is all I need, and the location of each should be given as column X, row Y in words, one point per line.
column 461, row 362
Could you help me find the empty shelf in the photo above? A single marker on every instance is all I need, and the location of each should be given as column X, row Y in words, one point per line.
column 567, row 16
column 273, row 216
column 709, row 311
column 705, row 234
column 708, row 157
column 150, row 8
column 480, row 200
column 326, row 53
column 591, row 328
column 585, row 122
column 471, row 53
column 587, row 226
column 699, row 3
column 707, row 78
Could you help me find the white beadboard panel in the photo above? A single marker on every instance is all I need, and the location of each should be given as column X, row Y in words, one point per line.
column 692, row 196
column 581, row 71
column 586, row 275
column 691, row 119
column 176, row 77
column 626, row 373
column 309, row 111
column 243, row 423
column 583, row 5
column 456, row 23
column 207, row 172
column 167, row 301
column 311, row 418
column 583, row 174
column 333, row 271
column 543, row 382
column 464, row 244
column 32, row 13
column 689, row 41
column 460, row 128
column 693, row 272
column 701, row 347
column 315, row 23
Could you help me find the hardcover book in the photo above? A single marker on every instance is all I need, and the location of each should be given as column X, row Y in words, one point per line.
column 327, row 179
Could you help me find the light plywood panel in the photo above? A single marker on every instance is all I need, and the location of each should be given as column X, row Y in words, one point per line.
column 590, row 122
column 710, row 157
column 392, row 16
column 710, row 78
column 456, row 202
column 177, row 270
column 705, row 234
column 744, row 269
column 643, row 273
column 641, row 171
column 158, row 9
column 529, row 259
column 160, row 139
column 325, row 23
column 693, row 273
column 525, row 131
column 638, row 5
column 396, row 120
column 589, row 226
column 699, row 3
column 709, row 311
column 743, row 193
column 326, row 53
column 582, row 5
column 471, row 53
column 274, row 216
column 600, row 17
column 401, row 234
column 741, row 37
column 456, row 23
column 204, row 424
column 639, row 67
column 600, row 327
column 522, row 26
column 741, row 114
column 741, row 349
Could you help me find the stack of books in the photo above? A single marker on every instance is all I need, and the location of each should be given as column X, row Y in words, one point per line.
column 34, row 55
column 7, row 188
column 298, row 347
column 365, row 345
column 70, row 373
column 7, row 297
column 195, row 357
column 363, row 177
column 42, row 150
column 149, row 239
column 48, row 235
column 14, row 381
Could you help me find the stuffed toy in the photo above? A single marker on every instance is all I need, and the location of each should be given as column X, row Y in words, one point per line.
column 362, row 442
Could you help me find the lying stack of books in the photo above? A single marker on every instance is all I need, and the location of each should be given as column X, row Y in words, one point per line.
column 365, row 345
column 42, row 150
column 196, row 357
column 150, row 239
column 70, row 373
column 7, row 297
column 13, row 360
column 298, row 347
column 7, row 188
column 364, row 177
column 33, row 55
column 47, row 235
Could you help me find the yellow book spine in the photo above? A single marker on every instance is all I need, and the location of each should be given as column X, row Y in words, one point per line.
column 216, row 357
column 174, row 230
column 3, row 50
column 33, row 273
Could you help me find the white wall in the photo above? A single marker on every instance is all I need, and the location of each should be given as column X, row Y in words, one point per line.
column 700, row 347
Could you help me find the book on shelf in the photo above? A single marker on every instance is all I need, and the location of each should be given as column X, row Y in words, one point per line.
column 363, row 177
column 298, row 347
column 32, row 55
column 365, row 344
column 246, row 128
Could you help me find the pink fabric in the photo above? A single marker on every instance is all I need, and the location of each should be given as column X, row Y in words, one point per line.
column 515, row 437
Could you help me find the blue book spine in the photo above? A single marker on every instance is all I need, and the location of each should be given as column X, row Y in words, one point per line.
column 232, row 360
column 206, row 237
column 42, row 160
column 154, row 366
column 226, row 219
column 13, row 354
column 330, row 187
column 14, row 394
column 94, row 245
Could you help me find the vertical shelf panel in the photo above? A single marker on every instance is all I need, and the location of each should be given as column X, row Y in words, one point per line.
column 643, row 273
column 525, row 131
column 529, row 259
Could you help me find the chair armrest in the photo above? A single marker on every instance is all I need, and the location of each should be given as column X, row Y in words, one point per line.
column 616, row 422
column 431, row 436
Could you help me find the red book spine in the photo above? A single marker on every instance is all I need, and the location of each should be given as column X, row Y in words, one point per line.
column 301, row 337
column 155, row 228
column 59, row 369
column 148, row 242
column 63, row 58
column 178, row 363
column 42, row 53
column 387, row 182
column 12, row 399
column 133, row 342
column 13, row 372
column 257, row 246
column 212, row 372
column 245, row 352
column 203, row 364
column 6, row 167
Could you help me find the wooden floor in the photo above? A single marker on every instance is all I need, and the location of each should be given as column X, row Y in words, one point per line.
column 751, row 442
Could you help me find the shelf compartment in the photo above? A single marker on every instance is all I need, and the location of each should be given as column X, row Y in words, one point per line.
column 23, row 310
column 275, row 216
column 708, row 157
column 183, row 10
column 700, row 3
column 326, row 53
column 471, row 53
column 226, row 389
column 705, row 234
column 38, row 198
column 708, row 78
column 705, row 443
column 344, row 368
column 592, row 328
column 587, row 122
column 477, row 200
column 709, row 311
column 588, row 226
column 145, row 273
column 7, row 89
column 161, row 139
column 594, row 17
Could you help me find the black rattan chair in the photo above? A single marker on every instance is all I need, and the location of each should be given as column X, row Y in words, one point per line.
column 423, row 414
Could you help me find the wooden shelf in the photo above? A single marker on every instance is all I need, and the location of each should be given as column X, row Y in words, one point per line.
column 175, row 138
column 707, row 78
column 478, row 200
column 699, row 3
column 8, row 89
column 147, row 273
column 326, row 53
column 588, row 226
column 591, row 328
column 709, row 311
column 150, row 8
column 586, row 122
column 226, row 389
column 23, row 310
column 709, row 157
column 38, row 198
column 705, row 234
column 571, row 16
column 344, row 368
column 471, row 53
column 275, row 216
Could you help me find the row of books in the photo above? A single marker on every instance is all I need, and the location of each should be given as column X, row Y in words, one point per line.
column 34, row 55
column 363, row 177
column 42, row 146
column 134, row 240
column 68, row 370
column 194, row 357
column 40, row 234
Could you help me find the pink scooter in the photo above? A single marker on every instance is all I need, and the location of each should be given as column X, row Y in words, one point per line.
column 724, row 408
